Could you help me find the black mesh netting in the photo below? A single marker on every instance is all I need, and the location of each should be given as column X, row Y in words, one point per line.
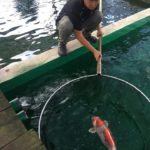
column 67, row 117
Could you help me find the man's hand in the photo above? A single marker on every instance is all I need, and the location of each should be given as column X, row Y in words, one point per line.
column 97, row 55
column 82, row 39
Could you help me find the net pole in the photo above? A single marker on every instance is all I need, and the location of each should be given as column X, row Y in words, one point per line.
column 99, row 63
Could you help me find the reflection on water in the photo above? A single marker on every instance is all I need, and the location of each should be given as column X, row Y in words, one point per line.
column 114, row 10
column 25, row 16
column 28, row 25
column 27, row 8
column 25, row 55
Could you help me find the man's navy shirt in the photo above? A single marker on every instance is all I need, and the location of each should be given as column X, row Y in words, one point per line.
column 77, row 12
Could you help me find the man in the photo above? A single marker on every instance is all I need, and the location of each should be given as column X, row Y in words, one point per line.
column 81, row 17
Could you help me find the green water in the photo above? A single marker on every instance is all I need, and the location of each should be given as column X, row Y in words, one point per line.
column 67, row 119
column 70, row 110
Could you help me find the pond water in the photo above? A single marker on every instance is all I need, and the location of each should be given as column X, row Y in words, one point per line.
column 68, row 116
column 27, row 27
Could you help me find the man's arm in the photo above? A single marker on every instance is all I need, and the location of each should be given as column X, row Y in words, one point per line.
column 79, row 35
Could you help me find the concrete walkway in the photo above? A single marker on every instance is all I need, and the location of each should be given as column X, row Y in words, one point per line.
column 13, row 134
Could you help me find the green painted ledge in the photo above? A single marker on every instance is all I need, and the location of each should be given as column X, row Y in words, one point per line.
column 50, row 66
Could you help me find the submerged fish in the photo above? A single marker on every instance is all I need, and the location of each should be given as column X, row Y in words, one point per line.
column 101, row 128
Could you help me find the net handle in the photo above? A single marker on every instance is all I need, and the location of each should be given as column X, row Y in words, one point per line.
column 99, row 61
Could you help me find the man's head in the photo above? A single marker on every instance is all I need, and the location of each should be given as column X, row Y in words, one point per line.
column 91, row 4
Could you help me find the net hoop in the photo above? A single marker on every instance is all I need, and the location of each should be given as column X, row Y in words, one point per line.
column 76, row 79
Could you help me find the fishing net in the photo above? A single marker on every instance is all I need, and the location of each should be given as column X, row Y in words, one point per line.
column 67, row 114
